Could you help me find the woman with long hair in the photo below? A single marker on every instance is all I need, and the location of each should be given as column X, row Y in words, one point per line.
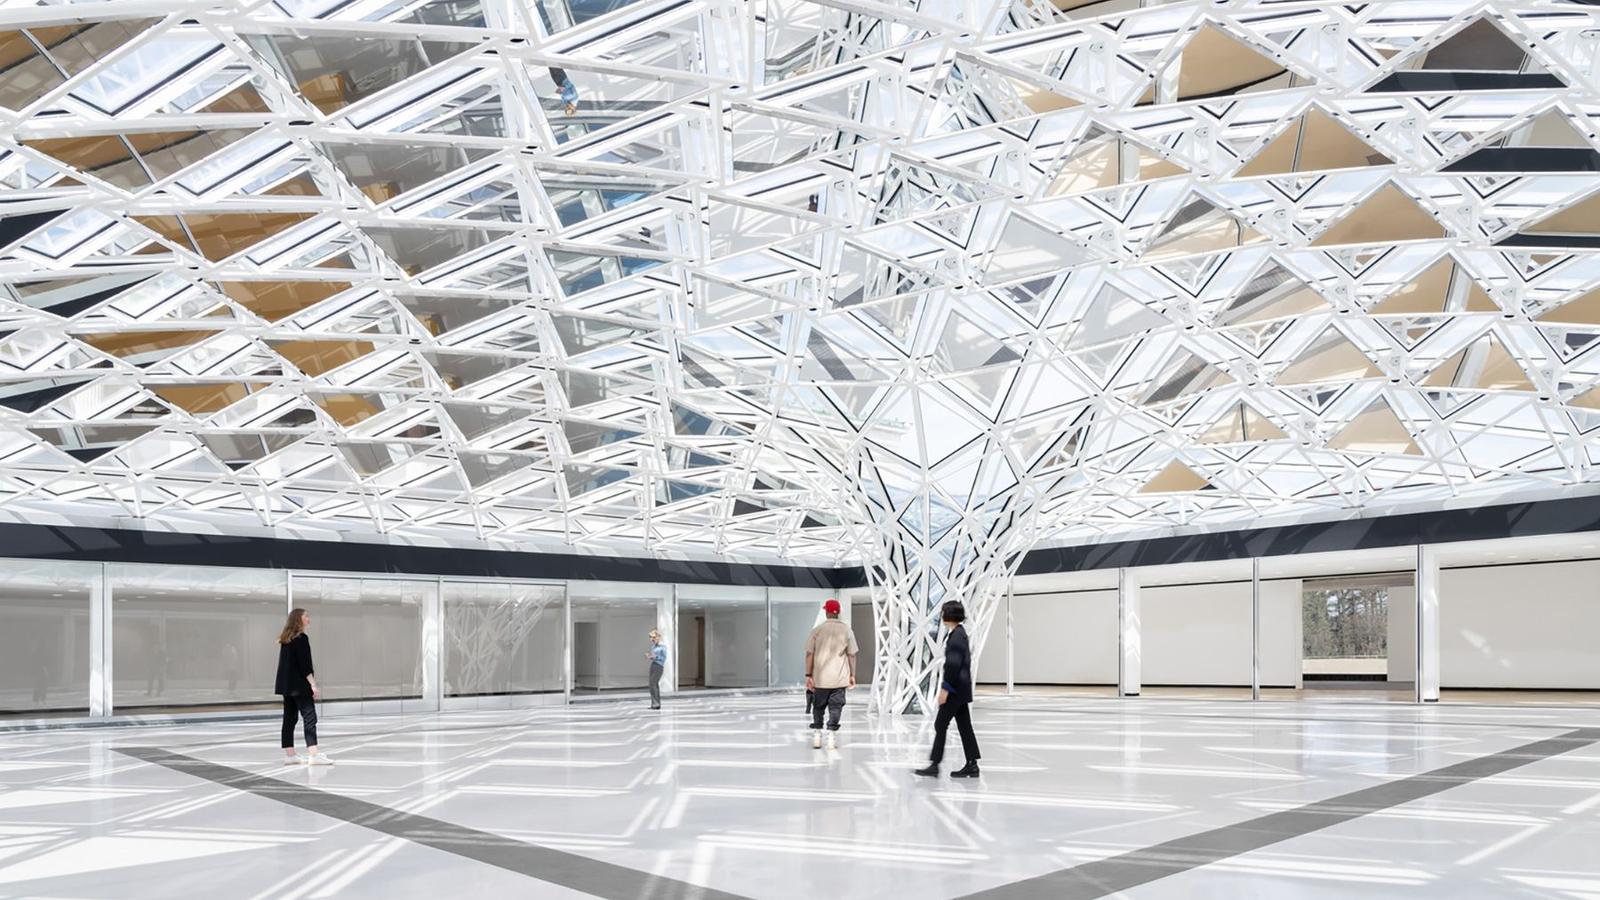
column 297, row 683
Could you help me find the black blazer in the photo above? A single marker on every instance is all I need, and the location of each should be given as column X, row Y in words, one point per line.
column 958, row 666
column 294, row 664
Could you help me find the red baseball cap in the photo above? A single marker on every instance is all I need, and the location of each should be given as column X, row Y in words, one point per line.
column 831, row 607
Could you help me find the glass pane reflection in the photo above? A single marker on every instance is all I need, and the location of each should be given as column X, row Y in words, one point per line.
column 44, row 636
column 187, row 636
column 503, row 639
column 366, row 635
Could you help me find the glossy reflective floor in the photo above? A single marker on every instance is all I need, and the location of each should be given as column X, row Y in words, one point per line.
column 723, row 796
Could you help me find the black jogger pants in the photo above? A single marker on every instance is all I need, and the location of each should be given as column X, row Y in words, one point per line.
column 300, row 706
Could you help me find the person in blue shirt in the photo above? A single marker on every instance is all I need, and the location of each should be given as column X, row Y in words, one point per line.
column 658, row 664
column 565, row 89
column 955, row 695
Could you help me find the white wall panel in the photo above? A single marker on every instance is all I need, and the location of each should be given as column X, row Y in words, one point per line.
column 1527, row 626
column 1282, row 633
column 1066, row 638
column 1197, row 634
column 1193, row 634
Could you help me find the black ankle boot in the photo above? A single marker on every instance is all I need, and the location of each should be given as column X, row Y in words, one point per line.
column 932, row 771
column 970, row 770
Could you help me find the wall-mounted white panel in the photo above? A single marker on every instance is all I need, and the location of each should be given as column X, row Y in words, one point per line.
column 1192, row 634
column 1197, row 634
column 1527, row 626
column 1282, row 630
column 1061, row 639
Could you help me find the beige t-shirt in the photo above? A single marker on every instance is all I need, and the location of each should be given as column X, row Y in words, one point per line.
column 831, row 645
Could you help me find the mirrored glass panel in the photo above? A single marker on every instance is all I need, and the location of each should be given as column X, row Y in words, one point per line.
column 503, row 639
column 187, row 636
column 44, row 636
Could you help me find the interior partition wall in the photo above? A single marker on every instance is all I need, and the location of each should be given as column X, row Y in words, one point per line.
column 1522, row 628
column 1279, row 636
column 1209, row 630
column 866, row 632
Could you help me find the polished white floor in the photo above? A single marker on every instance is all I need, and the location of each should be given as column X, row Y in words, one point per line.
column 727, row 793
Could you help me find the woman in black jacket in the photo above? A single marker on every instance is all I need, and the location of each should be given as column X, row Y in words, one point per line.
column 297, row 683
column 955, row 696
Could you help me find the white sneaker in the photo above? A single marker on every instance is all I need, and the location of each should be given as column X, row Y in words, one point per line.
column 816, row 740
column 291, row 760
column 319, row 759
column 833, row 741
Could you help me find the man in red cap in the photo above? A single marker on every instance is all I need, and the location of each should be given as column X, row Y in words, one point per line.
column 830, row 671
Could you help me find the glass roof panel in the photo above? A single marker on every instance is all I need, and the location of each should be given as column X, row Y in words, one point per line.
column 823, row 283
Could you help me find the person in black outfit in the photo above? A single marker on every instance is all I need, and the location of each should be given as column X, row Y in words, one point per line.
column 297, row 683
column 955, row 696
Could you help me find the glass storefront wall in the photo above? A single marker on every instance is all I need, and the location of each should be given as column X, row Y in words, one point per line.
column 722, row 637
column 45, row 652
column 611, row 624
column 503, row 638
column 190, row 637
column 197, row 638
column 366, row 634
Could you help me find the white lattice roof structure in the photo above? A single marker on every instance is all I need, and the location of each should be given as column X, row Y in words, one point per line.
column 910, row 284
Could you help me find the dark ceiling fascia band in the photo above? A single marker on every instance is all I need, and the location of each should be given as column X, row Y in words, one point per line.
column 78, row 543
column 1543, row 517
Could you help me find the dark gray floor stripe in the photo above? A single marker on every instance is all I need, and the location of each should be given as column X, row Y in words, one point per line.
column 1129, row 870
column 570, row 870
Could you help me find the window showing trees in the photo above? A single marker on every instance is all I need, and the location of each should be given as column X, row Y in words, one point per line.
column 1346, row 623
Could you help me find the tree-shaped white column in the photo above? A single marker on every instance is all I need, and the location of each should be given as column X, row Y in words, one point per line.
column 954, row 530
